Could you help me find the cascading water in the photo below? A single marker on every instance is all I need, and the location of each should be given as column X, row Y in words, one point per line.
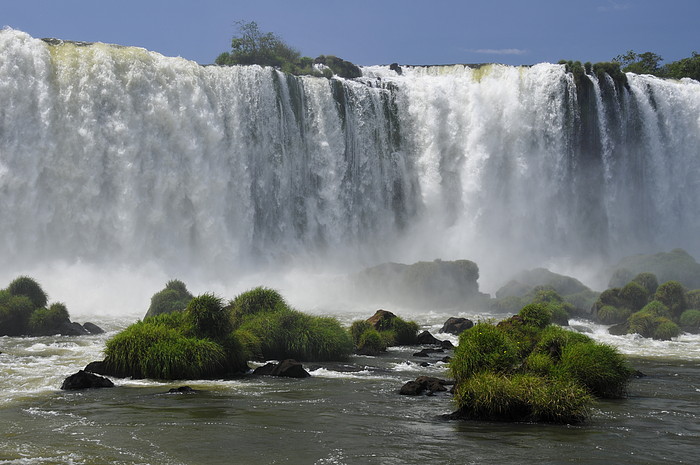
column 119, row 156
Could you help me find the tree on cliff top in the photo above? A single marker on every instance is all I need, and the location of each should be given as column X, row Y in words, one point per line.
column 252, row 46
column 650, row 63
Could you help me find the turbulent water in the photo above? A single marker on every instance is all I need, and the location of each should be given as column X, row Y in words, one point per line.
column 122, row 156
column 346, row 413
column 121, row 168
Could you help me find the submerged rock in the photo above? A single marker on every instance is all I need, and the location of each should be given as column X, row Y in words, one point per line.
column 85, row 380
column 423, row 384
column 286, row 368
column 182, row 390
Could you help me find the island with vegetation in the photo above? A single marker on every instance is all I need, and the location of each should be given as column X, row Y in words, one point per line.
column 25, row 311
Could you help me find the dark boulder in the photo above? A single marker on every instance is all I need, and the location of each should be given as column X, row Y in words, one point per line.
column 286, row 368
column 427, row 384
column 92, row 328
column 71, row 329
column 456, row 325
column 427, row 352
column 426, row 338
column 447, row 345
column 396, row 68
column 182, row 390
column 85, row 380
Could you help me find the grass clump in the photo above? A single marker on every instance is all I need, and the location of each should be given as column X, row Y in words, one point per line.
column 524, row 369
column 276, row 331
column 598, row 367
column 522, row 397
column 609, row 315
column 690, row 318
column 173, row 298
column 483, row 347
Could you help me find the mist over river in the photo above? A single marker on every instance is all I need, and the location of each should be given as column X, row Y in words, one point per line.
column 121, row 168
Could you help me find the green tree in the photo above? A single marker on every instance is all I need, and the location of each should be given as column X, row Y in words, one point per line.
column 252, row 46
column 639, row 63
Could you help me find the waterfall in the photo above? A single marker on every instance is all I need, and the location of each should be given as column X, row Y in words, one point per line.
column 117, row 155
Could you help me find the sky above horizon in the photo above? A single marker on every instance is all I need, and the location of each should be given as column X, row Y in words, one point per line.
column 379, row 31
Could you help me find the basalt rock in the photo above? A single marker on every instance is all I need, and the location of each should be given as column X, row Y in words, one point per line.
column 286, row 368
column 85, row 380
column 92, row 328
column 426, row 338
column 425, row 384
column 456, row 325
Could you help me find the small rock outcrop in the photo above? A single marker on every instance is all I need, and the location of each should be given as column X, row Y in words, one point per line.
column 426, row 338
column 455, row 325
column 92, row 328
column 85, row 380
column 425, row 384
column 182, row 390
column 286, row 368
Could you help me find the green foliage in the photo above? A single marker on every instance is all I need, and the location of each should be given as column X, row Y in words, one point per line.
column 539, row 363
column 286, row 333
column 598, row 367
column 656, row 308
column 371, row 342
column 483, row 347
column 693, row 299
column 166, row 347
column 553, row 339
column 47, row 321
column 406, row 331
column 251, row 46
column 183, row 358
column 690, row 319
column 357, row 328
column 666, row 330
column 672, row 294
column 538, row 315
column 648, row 281
column 173, row 298
column 650, row 63
column 609, row 315
column 26, row 286
column 518, row 371
column 523, row 397
column 15, row 311
column 633, row 296
column 254, row 301
column 642, row 323
column 208, row 316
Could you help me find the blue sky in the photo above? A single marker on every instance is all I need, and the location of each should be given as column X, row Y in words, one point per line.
column 379, row 31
